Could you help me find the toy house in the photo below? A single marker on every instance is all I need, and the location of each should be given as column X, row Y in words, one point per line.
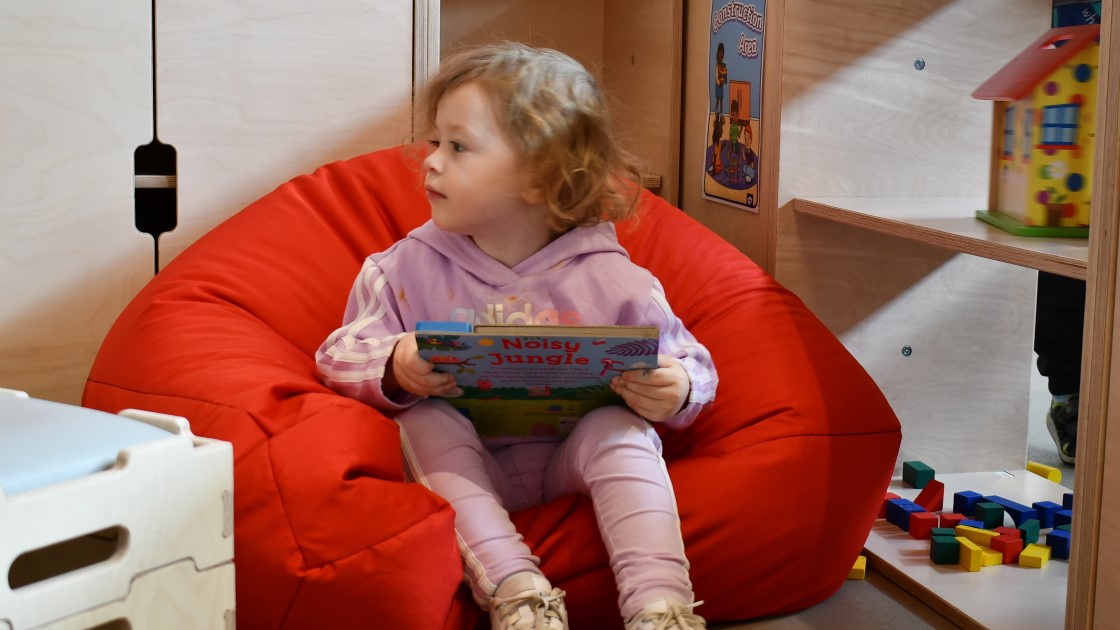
column 1042, row 135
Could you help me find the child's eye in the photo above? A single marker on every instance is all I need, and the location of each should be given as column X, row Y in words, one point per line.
column 434, row 144
column 458, row 147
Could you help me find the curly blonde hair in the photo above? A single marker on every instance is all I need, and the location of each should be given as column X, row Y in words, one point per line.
column 556, row 116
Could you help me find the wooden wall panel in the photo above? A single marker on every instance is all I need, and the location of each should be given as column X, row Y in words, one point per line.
column 75, row 101
column 633, row 46
column 255, row 92
column 963, row 390
column 642, row 71
column 860, row 119
column 574, row 27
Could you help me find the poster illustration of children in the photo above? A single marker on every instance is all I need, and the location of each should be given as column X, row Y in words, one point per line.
column 731, row 161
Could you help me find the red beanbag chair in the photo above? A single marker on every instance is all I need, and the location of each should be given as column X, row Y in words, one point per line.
column 778, row 484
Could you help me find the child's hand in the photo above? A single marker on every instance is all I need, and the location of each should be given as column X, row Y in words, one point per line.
column 656, row 395
column 409, row 371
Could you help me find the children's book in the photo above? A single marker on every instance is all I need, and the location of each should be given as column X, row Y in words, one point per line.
column 534, row 381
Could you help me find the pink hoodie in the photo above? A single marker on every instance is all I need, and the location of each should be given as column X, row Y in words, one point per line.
column 582, row 277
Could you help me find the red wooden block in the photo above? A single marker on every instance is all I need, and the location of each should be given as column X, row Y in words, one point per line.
column 1010, row 545
column 1014, row 531
column 883, row 506
column 951, row 519
column 922, row 524
column 932, row 497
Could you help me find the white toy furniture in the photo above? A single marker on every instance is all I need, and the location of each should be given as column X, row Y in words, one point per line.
column 111, row 518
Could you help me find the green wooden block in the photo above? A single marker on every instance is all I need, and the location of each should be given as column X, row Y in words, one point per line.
column 916, row 474
column 943, row 531
column 944, row 550
column 1067, row 527
column 1029, row 528
column 990, row 514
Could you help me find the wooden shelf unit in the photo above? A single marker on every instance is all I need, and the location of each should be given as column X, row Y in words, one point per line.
column 950, row 223
column 883, row 165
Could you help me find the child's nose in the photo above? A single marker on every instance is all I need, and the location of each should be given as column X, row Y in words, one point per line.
column 432, row 163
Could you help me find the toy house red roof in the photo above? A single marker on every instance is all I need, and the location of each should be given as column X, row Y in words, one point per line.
column 1016, row 79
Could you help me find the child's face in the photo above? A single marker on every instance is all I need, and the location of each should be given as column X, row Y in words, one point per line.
column 473, row 175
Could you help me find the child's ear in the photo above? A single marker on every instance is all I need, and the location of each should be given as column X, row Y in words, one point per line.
column 533, row 195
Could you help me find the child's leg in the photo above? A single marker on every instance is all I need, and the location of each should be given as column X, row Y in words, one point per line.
column 443, row 452
column 614, row 457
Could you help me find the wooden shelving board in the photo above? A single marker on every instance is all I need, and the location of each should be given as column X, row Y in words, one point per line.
column 951, row 223
column 1005, row 596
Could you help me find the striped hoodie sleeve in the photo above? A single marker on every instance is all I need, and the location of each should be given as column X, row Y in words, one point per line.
column 678, row 342
column 352, row 360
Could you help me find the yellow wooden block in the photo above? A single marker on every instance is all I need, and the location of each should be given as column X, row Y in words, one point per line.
column 977, row 535
column 971, row 554
column 1042, row 470
column 1034, row 556
column 990, row 557
column 859, row 569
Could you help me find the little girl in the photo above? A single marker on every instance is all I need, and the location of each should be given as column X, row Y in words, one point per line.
column 524, row 181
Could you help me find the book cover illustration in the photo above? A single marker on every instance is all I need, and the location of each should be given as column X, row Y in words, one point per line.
column 539, row 383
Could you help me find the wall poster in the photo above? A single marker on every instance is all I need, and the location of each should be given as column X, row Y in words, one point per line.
column 731, row 157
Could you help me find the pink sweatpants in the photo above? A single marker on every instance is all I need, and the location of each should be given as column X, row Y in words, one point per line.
column 612, row 456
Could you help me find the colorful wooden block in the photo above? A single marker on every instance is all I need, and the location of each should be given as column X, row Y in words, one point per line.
column 859, row 569
column 989, row 513
column 1010, row 545
column 951, row 519
column 1059, row 541
column 1067, row 501
column 1063, row 517
column 990, row 557
column 972, row 556
column 932, row 497
column 977, row 535
column 899, row 511
column 1046, row 511
column 1029, row 530
column 964, row 502
column 1017, row 511
column 944, row 550
column 1014, row 531
column 883, row 507
column 1068, row 528
column 916, row 474
column 1042, row 470
column 973, row 523
column 1035, row 556
column 922, row 524
column 943, row 531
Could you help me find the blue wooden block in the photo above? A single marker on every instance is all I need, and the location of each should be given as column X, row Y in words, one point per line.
column 1067, row 501
column 1063, row 517
column 964, row 502
column 899, row 511
column 1046, row 511
column 1017, row 511
column 1058, row 540
column 971, row 522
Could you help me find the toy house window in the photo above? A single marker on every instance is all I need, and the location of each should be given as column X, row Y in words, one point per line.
column 1028, row 117
column 1059, row 124
column 1009, row 133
